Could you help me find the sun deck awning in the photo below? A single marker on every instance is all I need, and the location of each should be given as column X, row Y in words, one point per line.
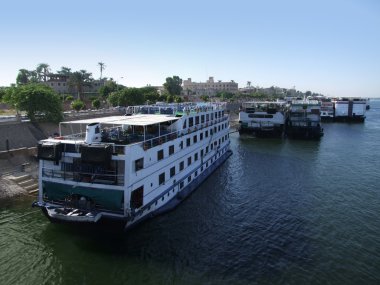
column 135, row 120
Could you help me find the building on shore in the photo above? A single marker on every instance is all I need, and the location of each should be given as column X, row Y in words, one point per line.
column 60, row 83
column 208, row 88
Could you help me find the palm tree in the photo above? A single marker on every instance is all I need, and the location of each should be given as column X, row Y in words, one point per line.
column 64, row 71
column 79, row 79
column 22, row 76
column 26, row 76
column 102, row 66
column 43, row 71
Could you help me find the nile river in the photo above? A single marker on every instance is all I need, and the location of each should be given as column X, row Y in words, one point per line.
column 277, row 212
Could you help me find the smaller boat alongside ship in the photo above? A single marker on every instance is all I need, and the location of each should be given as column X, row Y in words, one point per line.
column 304, row 119
column 262, row 119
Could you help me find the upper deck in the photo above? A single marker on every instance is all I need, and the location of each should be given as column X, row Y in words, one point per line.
column 149, row 124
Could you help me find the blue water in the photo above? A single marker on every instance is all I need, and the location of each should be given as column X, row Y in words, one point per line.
column 277, row 212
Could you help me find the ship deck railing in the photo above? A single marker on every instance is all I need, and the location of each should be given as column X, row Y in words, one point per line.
column 152, row 142
column 175, row 108
column 89, row 177
column 148, row 140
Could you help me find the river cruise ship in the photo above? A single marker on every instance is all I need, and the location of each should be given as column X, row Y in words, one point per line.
column 262, row 119
column 350, row 109
column 304, row 119
column 128, row 168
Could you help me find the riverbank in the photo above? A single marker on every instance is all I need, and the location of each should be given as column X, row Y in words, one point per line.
column 13, row 164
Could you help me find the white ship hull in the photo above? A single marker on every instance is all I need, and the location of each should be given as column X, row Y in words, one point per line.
column 129, row 177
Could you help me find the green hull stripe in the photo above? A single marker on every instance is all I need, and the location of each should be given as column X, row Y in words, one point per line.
column 108, row 199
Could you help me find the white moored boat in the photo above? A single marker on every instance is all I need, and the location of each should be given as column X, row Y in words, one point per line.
column 262, row 118
column 129, row 168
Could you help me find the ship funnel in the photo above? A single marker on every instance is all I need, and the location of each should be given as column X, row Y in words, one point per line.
column 92, row 133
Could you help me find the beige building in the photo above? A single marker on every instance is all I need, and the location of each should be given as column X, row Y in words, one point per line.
column 209, row 88
column 61, row 84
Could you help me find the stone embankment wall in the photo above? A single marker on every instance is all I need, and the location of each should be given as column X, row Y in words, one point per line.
column 16, row 135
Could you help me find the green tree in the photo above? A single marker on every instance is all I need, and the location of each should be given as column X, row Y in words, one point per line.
column 80, row 79
column 114, row 98
column 37, row 100
column 108, row 88
column 96, row 103
column 127, row 97
column 170, row 98
column 3, row 91
column 43, row 71
column 173, row 85
column 205, row 98
column 77, row 105
column 178, row 99
column 150, row 94
column 25, row 76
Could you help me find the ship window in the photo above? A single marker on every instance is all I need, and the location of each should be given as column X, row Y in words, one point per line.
column 201, row 168
column 207, row 117
column 189, row 178
column 172, row 171
column 171, row 149
column 188, row 142
column 162, row 199
column 202, row 119
column 181, row 185
column 191, row 122
column 216, row 115
column 161, row 178
column 201, row 136
column 184, row 124
column 206, row 149
column 212, row 116
column 212, row 147
column 196, row 157
column 196, row 174
column 218, row 128
column 181, row 166
column 189, row 160
column 207, row 164
column 195, row 139
column 206, row 133
column 139, row 164
column 160, row 154
column 197, row 120
column 137, row 197
column 201, row 152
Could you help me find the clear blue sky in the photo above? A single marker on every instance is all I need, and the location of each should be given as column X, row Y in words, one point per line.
column 326, row 46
